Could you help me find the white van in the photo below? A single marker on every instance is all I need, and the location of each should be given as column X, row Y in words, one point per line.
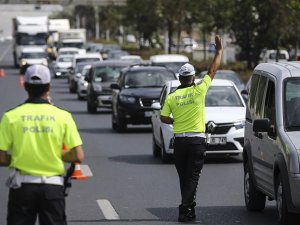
column 89, row 57
column 271, row 151
column 269, row 55
column 171, row 61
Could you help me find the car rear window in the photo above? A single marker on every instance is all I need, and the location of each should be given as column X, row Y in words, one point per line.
column 222, row 96
column 148, row 78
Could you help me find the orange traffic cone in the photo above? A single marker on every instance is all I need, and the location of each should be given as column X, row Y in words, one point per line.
column 77, row 174
column 2, row 73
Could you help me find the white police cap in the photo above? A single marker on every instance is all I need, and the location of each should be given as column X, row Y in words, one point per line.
column 187, row 70
column 37, row 74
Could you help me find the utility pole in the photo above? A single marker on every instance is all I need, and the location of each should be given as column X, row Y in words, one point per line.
column 97, row 25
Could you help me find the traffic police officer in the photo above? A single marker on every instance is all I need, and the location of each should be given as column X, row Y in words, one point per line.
column 34, row 133
column 187, row 106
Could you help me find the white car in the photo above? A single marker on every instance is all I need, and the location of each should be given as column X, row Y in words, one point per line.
column 69, row 51
column 171, row 61
column 225, row 116
column 82, row 84
column 62, row 65
column 33, row 55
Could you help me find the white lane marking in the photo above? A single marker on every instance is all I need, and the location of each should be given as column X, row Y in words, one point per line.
column 5, row 52
column 108, row 210
column 86, row 170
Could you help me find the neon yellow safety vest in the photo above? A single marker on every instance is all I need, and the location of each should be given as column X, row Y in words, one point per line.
column 34, row 132
column 187, row 106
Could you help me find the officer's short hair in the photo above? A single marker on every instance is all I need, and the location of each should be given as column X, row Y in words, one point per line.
column 36, row 90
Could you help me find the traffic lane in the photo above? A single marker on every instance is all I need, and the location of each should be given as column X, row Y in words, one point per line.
column 140, row 188
column 126, row 174
column 129, row 183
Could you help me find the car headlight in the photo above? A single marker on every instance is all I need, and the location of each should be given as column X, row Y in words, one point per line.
column 45, row 62
column 23, row 62
column 127, row 99
column 97, row 88
column 239, row 125
column 83, row 83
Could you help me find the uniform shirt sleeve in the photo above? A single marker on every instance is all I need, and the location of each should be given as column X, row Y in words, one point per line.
column 72, row 137
column 5, row 134
column 203, row 86
column 166, row 110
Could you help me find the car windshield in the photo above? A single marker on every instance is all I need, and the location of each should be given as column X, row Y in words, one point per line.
column 68, row 52
column 106, row 74
column 222, row 96
column 65, row 59
column 72, row 45
column 292, row 104
column 79, row 60
column 280, row 56
column 26, row 39
column 174, row 66
column 79, row 67
column 148, row 78
column 34, row 55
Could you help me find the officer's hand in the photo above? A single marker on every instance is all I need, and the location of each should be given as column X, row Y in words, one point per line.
column 218, row 42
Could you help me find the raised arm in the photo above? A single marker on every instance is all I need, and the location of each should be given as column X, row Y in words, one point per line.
column 217, row 58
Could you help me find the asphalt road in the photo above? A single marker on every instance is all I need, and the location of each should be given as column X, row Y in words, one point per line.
column 128, row 186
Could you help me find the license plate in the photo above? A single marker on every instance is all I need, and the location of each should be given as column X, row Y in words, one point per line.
column 217, row 141
column 148, row 114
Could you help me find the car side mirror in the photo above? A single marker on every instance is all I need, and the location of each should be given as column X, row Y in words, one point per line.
column 156, row 106
column 78, row 75
column 261, row 125
column 244, row 92
column 115, row 86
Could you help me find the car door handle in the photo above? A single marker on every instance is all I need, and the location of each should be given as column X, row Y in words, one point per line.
column 259, row 135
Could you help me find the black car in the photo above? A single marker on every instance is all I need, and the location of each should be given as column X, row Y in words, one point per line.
column 137, row 88
column 101, row 76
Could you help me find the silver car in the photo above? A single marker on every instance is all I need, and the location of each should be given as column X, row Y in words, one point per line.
column 272, row 139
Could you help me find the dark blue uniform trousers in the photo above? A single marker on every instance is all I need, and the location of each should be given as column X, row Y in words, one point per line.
column 189, row 155
column 46, row 201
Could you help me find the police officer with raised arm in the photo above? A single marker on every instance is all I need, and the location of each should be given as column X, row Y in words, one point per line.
column 187, row 107
column 31, row 140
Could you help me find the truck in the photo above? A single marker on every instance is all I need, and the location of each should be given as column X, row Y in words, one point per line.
column 72, row 38
column 56, row 26
column 29, row 31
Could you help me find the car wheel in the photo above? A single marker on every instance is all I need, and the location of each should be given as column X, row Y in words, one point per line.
column 91, row 108
column 155, row 147
column 255, row 200
column 113, row 121
column 121, row 125
column 79, row 97
column 166, row 158
column 284, row 217
column 72, row 87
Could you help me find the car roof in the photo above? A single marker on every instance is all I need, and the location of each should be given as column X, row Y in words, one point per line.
column 131, row 57
column 168, row 58
column 87, row 55
column 33, row 49
column 280, row 70
column 147, row 67
column 215, row 82
column 112, row 62
column 65, row 56
column 68, row 49
column 218, row 71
